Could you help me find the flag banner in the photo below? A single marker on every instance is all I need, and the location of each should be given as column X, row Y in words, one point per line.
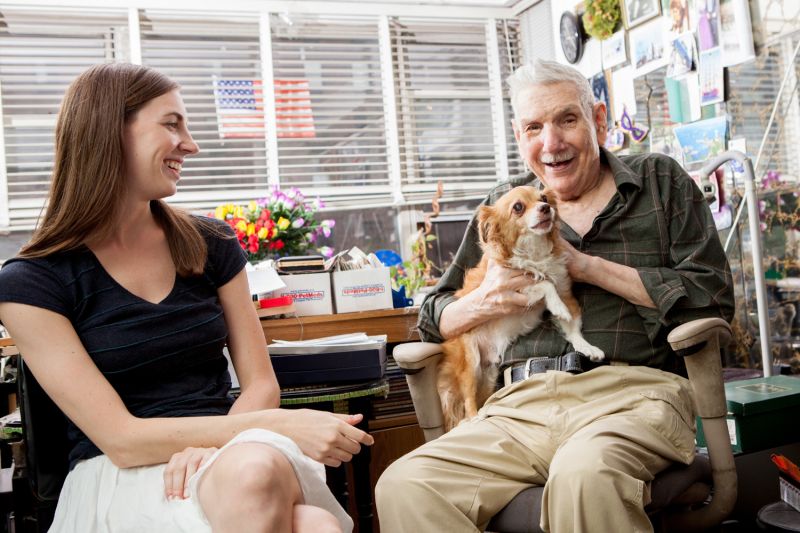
column 240, row 108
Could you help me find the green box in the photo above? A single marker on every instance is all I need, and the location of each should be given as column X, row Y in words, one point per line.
column 762, row 413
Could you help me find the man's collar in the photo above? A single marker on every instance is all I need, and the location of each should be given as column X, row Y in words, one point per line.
column 622, row 172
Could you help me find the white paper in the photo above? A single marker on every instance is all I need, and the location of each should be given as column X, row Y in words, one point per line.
column 264, row 280
column 613, row 50
column 648, row 46
column 623, row 93
column 347, row 338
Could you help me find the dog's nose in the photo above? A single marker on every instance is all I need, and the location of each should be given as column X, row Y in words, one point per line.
column 544, row 208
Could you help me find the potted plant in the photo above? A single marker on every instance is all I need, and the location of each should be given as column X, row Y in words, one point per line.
column 600, row 18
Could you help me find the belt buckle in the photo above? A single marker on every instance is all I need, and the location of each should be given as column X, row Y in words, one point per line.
column 548, row 363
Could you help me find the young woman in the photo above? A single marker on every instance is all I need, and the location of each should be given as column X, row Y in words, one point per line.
column 121, row 306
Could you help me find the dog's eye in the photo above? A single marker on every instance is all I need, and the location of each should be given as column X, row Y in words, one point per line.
column 518, row 208
column 544, row 199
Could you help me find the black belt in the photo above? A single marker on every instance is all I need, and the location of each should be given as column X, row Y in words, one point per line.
column 569, row 362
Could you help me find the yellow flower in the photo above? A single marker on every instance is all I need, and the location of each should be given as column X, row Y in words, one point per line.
column 251, row 228
column 283, row 223
column 263, row 233
column 252, row 206
column 241, row 226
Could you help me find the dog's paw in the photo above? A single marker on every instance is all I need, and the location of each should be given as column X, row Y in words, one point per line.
column 560, row 310
column 592, row 352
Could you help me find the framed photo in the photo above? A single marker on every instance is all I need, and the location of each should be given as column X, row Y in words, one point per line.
column 613, row 50
column 648, row 47
column 637, row 11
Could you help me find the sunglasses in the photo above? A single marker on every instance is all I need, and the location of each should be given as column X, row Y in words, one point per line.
column 637, row 134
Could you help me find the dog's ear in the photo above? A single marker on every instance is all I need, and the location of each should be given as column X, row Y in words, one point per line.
column 551, row 197
column 485, row 226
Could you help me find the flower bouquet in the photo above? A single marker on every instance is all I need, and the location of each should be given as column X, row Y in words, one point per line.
column 281, row 224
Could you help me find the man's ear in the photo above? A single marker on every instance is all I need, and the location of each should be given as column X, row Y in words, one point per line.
column 485, row 225
column 600, row 122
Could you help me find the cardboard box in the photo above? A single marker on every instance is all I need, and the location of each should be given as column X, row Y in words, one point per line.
column 760, row 413
column 312, row 365
column 311, row 293
column 362, row 290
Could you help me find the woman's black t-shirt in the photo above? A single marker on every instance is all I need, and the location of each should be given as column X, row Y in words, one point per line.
column 164, row 359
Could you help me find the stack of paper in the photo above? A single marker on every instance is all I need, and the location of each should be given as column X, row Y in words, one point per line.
column 334, row 344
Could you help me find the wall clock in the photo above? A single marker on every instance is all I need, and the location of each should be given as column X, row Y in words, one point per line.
column 571, row 35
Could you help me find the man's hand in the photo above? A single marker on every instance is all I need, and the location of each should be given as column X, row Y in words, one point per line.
column 499, row 293
column 577, row 262
column 181, row 468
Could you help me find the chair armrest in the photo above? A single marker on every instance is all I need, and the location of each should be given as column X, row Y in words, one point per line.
column 700, row 342
column 419, row 361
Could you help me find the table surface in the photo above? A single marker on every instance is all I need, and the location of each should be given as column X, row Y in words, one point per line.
column 399, row 325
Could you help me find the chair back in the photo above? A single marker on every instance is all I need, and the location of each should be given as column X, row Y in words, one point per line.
column 44, row 429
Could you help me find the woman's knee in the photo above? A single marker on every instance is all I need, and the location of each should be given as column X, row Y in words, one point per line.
column 311, row 519
column 256, row 470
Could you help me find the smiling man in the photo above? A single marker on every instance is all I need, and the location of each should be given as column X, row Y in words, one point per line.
column 643, row 250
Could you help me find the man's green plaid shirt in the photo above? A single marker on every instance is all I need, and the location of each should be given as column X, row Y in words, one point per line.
column 658, row 223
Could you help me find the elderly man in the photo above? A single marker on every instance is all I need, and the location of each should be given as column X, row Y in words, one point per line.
column 643, row 251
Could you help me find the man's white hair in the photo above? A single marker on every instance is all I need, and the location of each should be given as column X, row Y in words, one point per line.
column 544, row 72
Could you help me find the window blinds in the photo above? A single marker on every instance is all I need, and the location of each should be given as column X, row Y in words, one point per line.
column 216, row 59
column 41, row 52
column 356, row 114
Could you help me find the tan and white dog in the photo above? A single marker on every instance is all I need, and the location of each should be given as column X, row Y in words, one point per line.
column 519, row 232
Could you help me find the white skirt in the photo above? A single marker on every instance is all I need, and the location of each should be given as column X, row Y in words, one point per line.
column 98, row 497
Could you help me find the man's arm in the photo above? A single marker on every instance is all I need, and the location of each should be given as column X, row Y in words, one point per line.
column 618, row 279
column 443, row 316
column 696, row 284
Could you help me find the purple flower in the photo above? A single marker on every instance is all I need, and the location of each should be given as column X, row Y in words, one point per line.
column 317, row 204
column 326, row 251
column 311, row 237
column 298, row 223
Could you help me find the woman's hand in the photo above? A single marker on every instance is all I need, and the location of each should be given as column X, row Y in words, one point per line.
column 181, row 467
column 329, row 438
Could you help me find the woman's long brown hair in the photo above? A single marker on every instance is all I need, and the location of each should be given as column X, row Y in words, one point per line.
column 88, row 181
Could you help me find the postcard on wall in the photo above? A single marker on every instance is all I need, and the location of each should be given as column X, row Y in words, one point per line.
column 681, row 55
column 678, row 11
column 736, row 32
column 600, row 90
column 703, row 139
column 707, row 24
column 648, row 47
column 638, row 11
column 712, row 77
column 614, row 50
column 623, row 94
column 683, row 98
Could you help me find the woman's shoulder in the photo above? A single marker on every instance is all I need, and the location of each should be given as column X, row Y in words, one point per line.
column 64, row 265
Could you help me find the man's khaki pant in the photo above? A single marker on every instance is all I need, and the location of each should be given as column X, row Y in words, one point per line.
column 594, row 440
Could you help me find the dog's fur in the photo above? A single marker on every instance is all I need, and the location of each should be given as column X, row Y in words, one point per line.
column 519, row 232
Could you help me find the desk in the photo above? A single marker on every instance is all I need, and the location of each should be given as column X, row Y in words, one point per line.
column 345, row 399
column 399, row 325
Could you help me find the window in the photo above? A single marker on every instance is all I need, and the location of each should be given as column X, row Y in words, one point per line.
column 41, row 52
column 202, row 52
column 374, row 109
